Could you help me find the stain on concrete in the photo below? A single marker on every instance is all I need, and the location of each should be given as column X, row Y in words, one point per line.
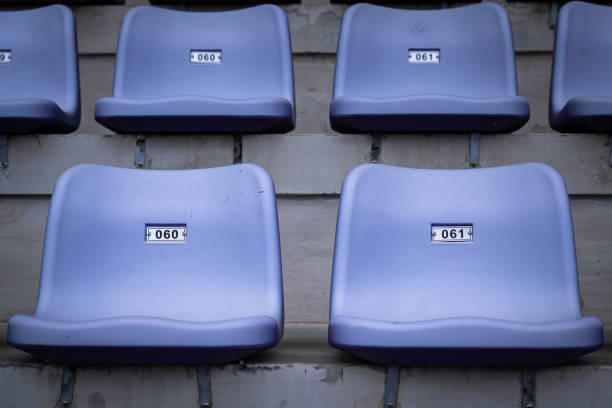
column 333, row 374
column 55, row 380
column 283, row 403
column 96, row 400
column 254, row 369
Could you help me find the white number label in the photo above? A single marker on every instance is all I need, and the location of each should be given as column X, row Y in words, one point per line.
column 166, row 234
column 451, row 233
column 6, row 56
column 423, row 56
column 206, row 56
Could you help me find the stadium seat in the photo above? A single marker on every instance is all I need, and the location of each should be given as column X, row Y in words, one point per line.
column 449, row 70
column 157, row 266
column 180, row 72
column 581, row 89
column 502, row 289
column 39, row 79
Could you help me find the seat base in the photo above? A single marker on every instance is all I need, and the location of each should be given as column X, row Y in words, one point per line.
column 428, row 113
column 143, row 340
column 493, row 357
column 465, row 341
column 196, row 115
column 140, row 355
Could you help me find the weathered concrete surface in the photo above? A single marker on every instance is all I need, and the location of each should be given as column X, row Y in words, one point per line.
column 29, row 385
column 585, row 387
column 307, row 164
column 307, row 231
column 298, row 385
column 119, row 387
column 188, row 152
column 459, row 387
column 22, row 229
column 431, row 151
column 314, row 79
column 533, row 74
column 97, row 73
column 592, row 223
column 582, row 160
column 35, row 162
column 312, row 164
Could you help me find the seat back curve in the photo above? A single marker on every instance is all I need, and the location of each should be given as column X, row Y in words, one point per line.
column 43, row 64
column 97, row 263
column 475, row 45
column 582, row 55
column 520, row 266
column 155, row 45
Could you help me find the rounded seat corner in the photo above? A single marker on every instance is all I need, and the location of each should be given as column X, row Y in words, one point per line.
column 22, row 116
column 584, row 113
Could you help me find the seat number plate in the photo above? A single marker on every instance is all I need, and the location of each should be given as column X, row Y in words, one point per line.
column 452, row 233
column 166, row 234
column 206, row 57
column 6, row 56
column 429, row 56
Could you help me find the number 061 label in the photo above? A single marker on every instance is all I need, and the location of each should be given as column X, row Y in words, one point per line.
column 451, row 233
column 166, row 234
column 423, row 56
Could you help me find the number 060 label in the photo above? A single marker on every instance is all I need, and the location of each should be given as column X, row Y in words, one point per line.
column 206, row 57
column 166, row 234
column 451, row 233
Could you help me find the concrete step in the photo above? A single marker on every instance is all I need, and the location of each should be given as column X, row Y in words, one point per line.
column 303, row 371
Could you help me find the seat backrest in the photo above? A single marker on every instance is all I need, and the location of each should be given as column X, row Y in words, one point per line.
column 97, row 263
column 157, row 55
column 476, row 54
column 43, row 56
column 520, row 266
column 583, row 53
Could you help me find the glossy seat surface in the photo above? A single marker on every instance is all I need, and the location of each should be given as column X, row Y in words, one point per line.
column 108, row 296
column 472, row 87
column 159, row 88
column 40, row 79
column 581, row 90
column 508, row 297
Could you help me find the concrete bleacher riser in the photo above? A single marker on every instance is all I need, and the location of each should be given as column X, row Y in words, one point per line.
column 308, row 166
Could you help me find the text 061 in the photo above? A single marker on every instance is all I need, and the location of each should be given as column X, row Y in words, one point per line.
column 452, row 233
column 423, row 56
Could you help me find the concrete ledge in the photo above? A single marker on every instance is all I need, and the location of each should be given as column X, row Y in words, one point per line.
column 306, row 164
column 303, row 371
